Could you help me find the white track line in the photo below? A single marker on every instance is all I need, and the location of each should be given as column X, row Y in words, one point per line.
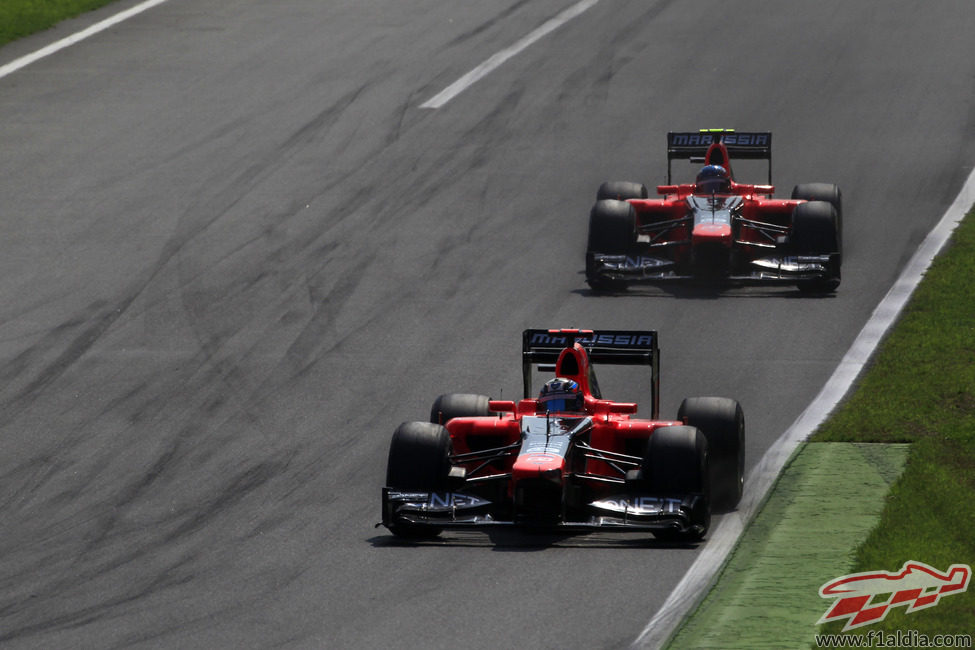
column 699, row 578
column 496, row 60
column 68, row 41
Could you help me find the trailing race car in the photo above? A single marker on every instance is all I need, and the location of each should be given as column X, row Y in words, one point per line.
column 715, row 229
column 567, row 460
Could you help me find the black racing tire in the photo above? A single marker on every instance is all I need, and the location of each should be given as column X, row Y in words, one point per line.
column 621, row 191
column 458, row 405
column 612, row 231
column 676, row 462
column 814, row 228
column 824, row 192
column 723, row 423
column 612, row 227
column 419, row 460
column 814, row 232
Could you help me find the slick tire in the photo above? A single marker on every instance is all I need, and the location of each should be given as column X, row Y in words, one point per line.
column 723, row 423
column 458, row 405
column 676, row 462
column 815, row 232
column 621, row 191
column 419, row 459
column 612, row 231
column 612, row 227
column 823, row 192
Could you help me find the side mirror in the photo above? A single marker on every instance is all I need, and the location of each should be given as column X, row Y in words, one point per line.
column 604, row 406
column 623, row 407
column 501, row 406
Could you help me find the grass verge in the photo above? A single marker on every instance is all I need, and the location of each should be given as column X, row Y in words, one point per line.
column 920, row 388
column 768, row 593
column 19, row 18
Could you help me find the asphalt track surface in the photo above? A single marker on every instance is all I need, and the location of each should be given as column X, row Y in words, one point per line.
column 235, row 254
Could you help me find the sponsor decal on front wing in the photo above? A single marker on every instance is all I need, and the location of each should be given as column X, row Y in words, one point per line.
column 438, row 501
column 639, row 505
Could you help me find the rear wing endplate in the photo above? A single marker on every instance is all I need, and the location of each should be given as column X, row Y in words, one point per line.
column 541, row 347
column 693, row 146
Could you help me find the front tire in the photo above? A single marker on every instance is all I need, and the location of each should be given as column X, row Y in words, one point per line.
column 612, row 231
column 823, row 192
column 419, row 460
column 677, row 462
column 815, row 232
column 723, row 423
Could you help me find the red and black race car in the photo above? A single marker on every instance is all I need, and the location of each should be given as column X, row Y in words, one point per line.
column 568, row 459
column 715, row 229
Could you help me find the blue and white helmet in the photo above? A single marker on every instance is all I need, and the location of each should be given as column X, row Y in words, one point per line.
column 560, row 395
column 713, row 179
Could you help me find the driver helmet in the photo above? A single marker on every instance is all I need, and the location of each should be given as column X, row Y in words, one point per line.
column 713, row 179
column 561, row 394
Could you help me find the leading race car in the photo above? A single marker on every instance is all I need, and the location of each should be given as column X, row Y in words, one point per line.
column 715, row 229
column 567, row 459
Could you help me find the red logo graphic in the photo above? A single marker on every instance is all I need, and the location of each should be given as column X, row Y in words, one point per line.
column 916, row 585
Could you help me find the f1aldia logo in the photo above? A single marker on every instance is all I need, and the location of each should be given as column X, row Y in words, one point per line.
column 916, row 586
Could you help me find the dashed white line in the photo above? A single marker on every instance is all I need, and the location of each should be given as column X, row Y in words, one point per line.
column 699, row 578
column 77, row 37
column 498, row 59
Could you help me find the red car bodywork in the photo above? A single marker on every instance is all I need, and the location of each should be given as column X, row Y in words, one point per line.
column 613, row 430
column 481, row 462
column 741, row 234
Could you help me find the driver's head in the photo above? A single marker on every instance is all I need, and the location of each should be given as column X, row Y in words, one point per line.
column 713, row 179
column 560, row 395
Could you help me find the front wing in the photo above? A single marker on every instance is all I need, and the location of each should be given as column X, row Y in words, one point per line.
column 785, row 269
column 627, row 513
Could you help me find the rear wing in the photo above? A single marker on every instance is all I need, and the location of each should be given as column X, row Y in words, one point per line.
column 541, row 348
column 693, row 146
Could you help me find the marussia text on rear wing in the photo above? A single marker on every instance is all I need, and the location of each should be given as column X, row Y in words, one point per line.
column 693, row 145
column 541, row 347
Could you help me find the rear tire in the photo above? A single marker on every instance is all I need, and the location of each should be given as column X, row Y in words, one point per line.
column 419, row 460
column 723, row 423
column 458, row 405
column 621, row 191
column 814, row 232
column 676, row 463
column 612, row 231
